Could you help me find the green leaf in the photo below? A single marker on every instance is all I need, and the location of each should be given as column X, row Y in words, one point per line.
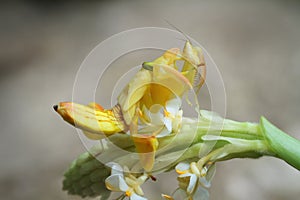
column 281, row 144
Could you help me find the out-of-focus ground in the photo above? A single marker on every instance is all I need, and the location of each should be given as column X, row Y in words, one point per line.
column 255, row 44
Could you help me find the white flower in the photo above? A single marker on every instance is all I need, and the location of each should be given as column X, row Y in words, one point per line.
column 173, row 115
column 165, row 119
column 190, row 183
column 119, row 181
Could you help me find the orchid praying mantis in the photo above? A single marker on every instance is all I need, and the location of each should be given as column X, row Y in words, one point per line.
column 149, row 123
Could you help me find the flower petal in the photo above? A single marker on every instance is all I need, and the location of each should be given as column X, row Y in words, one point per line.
column 146, row 146
column 176, row 123
column 171, row 79
column 137, row 197
column 173, row 105
column 116, row 169
column 168, row 123
column 192, row 184
column 116, row 183
column 182, row 168
column 135, row 89
column 138, row 190
column 185, row 175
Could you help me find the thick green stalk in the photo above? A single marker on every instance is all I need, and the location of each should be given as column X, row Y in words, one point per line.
column 281, row 144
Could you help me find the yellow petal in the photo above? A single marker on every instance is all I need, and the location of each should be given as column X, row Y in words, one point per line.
column 93, row 121
column 133, row 92
column 160, row 94
column 146, row 146
column 171, row 79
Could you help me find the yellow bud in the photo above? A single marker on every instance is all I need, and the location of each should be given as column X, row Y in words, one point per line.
column 92, row 119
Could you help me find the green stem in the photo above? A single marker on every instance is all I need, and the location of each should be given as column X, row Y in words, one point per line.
column 232, row 139
column 281, row 144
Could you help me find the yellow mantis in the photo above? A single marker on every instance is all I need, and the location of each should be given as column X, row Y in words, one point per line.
column 156, row 83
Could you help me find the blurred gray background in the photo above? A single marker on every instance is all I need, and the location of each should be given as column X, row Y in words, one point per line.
column 255, row 44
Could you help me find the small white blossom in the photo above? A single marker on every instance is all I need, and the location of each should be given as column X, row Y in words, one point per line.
column 190, row 183
column 119, row 181
column 166, row 119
